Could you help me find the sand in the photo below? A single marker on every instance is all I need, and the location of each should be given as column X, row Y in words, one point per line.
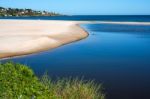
column 22, row 37
column 122, row 23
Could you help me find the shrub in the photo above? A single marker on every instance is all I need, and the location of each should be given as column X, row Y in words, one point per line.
column 19, row 82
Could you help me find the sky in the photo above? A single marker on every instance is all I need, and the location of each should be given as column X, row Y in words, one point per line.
column 84, row 7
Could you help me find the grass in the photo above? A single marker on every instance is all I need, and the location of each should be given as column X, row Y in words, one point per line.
column 18, row 81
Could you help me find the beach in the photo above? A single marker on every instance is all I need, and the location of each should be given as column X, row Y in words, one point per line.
column 22, row 37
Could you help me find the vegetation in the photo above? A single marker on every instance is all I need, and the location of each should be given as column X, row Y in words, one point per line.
column 24, row 12
column 19, row 82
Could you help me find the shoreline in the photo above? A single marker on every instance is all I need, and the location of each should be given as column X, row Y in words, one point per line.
column 25, row 37
column 122, row 23
column 18, row 56
column 36, row 36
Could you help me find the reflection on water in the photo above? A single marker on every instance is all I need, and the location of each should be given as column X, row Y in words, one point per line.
column 116, row 55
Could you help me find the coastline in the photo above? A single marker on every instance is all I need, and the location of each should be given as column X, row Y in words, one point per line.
column 23, row 37
column 122, row 23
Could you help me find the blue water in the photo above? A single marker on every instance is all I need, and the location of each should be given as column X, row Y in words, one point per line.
column 116, row 55
column 135, row 18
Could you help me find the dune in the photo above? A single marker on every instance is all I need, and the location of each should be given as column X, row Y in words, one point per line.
column 22, row 37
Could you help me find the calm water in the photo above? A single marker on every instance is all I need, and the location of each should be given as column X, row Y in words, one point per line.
column 116, row 55
column 141, row 18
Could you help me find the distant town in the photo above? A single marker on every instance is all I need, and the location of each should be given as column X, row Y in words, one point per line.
column 4, row 12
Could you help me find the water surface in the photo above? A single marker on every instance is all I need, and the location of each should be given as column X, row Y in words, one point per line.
column 128, row 18
column 116, row 55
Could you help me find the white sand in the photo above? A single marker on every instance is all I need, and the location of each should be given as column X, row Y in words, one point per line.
column 21, row 37
column 123, row 23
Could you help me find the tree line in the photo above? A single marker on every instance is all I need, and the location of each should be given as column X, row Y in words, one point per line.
column 24, row 12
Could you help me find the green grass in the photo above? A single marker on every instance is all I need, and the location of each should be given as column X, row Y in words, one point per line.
column 18, row 81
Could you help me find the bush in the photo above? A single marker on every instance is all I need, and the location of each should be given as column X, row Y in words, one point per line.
column 19, row 82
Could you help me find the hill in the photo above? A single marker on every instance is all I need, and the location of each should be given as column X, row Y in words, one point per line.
column 24, row 12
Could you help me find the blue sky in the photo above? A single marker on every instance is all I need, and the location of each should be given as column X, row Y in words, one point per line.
column 84, row 7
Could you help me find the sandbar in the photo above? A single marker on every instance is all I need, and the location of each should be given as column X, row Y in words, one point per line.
column 23, row 37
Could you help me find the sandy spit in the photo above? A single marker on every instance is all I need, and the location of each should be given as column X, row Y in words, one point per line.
column 22, row 37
